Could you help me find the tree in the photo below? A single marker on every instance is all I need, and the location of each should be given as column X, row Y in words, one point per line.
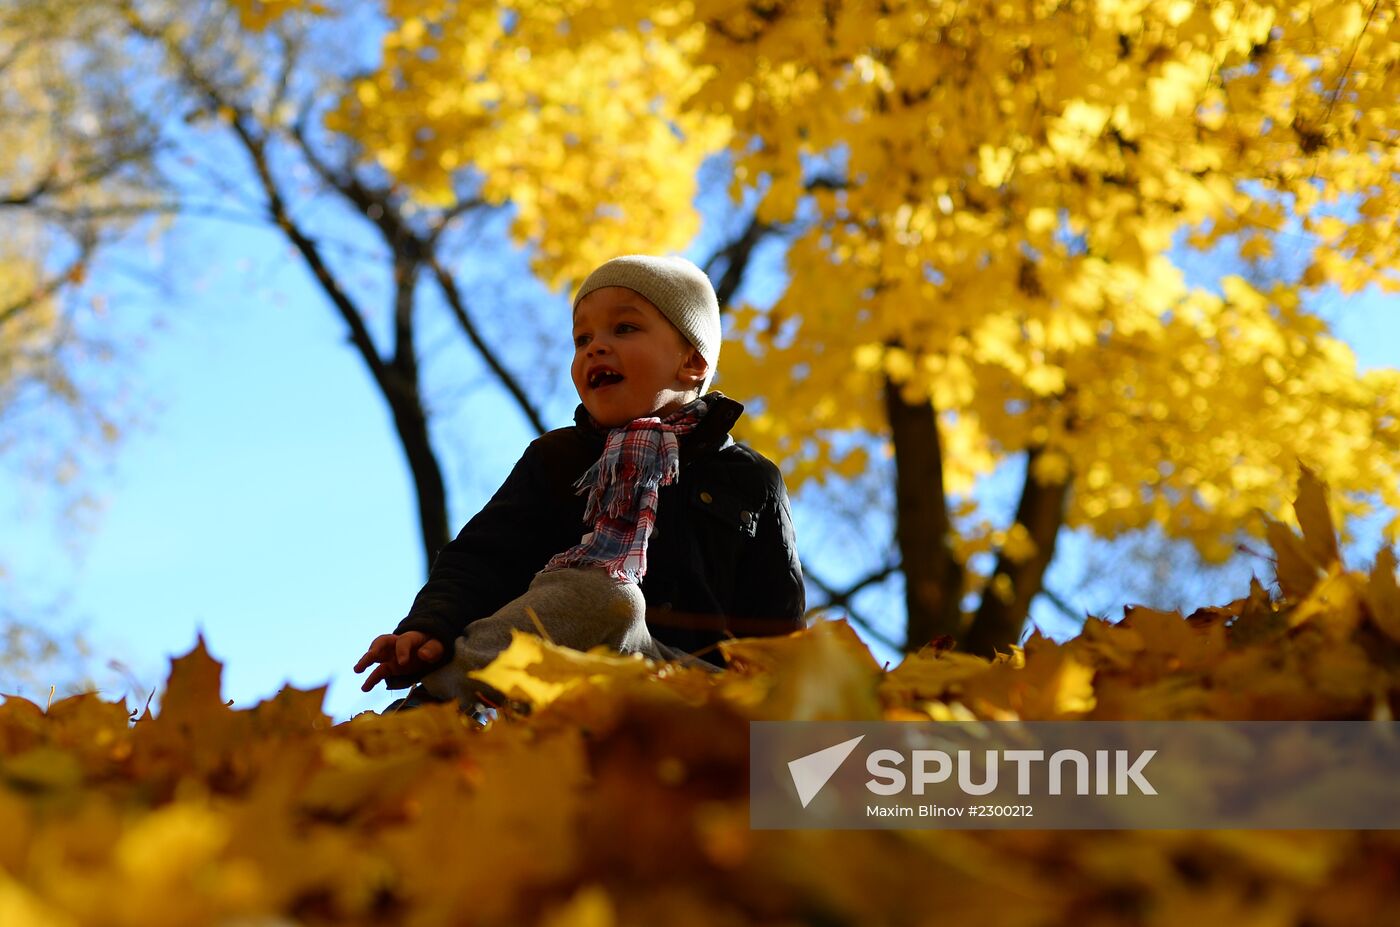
column 1016, row 269
column 70, row 146
column 990, row 267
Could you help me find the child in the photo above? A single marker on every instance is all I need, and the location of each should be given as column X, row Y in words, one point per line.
column 687, row 535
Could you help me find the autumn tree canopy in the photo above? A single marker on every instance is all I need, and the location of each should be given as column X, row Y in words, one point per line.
column 1001, row 191
column 71, row 147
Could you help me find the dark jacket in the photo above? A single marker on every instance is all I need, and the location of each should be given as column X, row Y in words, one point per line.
column 722, row 557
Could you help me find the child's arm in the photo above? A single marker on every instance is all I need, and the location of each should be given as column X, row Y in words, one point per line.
column 771, row 597
column 399, row 655
column 493, row 558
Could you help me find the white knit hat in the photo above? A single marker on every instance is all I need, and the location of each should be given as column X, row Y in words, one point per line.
column 675, row 286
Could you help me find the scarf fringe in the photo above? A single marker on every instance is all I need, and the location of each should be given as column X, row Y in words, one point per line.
column 621, row 487
column 616, row 481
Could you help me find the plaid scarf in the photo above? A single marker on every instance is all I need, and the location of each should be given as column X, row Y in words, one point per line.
column 638, row 459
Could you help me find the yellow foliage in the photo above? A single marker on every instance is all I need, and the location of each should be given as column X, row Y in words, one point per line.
column 622, row 797
column 527, row 670
column 29, row 146
column 20, row 908
column 1092, row 138
column 57, row 158
column 574, row 122
column 1018, row 545
column 259, row 14
column 1382, row 595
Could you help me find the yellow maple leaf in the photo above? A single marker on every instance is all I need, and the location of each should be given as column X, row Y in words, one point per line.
column 1297, row 572
column 1171, row 644
column 590, row 906
column 824, row 672
column 192, row 690
column 172, row 842
column 929, row 674
column 1319, row 535
column 538, row 672
column 1334, row 605
column 1382, row 594
column 361, row 784
column 19, row 907
column 43, row 768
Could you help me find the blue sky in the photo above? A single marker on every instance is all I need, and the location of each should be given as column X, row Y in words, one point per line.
column 267, row 505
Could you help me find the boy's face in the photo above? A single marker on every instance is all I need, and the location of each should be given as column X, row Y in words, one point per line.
column 629, row 360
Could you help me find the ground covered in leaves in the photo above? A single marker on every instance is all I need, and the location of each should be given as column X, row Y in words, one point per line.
column 621, row 797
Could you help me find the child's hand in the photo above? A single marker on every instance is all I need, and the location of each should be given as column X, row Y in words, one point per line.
column 399, row 655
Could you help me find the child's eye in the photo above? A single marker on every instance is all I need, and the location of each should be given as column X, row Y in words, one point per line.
column 580, row 340
column 625, row 325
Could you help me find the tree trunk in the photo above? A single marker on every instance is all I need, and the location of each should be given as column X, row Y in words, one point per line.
column 998, row 622
column 411, row 424
column 932, row 577
column 410, row 418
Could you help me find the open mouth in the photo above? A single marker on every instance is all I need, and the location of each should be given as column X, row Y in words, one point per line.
column 603, row 377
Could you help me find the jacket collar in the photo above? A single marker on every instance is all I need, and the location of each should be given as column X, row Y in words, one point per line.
column 711, row 434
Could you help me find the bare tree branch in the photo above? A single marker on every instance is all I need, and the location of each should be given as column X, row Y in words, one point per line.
column 445, row 219
column 284, row 74
column 378, row 205
column 738, row 253
column 153, row 208
column 842, row 599
column 15, row 51
column 736, row 256
column 47, row 288
column 1055, row 599
column 459, row 310
column 1041, row 511
column 330, row 284
column 89, row 173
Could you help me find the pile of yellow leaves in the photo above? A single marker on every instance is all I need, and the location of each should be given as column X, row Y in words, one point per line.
column 621, row 797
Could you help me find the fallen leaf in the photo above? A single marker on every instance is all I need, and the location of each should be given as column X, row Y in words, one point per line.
column 1297, row 571
column 1382, row 595
column 1319, row 534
